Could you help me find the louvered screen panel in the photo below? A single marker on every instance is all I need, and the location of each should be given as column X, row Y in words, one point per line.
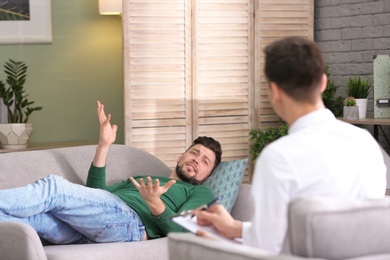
column 276, row 19
column 223, row 57
column 157, row 60
column 196, row 68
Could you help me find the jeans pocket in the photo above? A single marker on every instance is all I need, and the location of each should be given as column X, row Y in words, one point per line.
column 117, row 232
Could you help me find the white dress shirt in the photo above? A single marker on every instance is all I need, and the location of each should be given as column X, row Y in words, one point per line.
column 320, row 156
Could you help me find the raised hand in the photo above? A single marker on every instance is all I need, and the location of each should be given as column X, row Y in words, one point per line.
column 107, row 136
column 151, row 193
column 107, row 131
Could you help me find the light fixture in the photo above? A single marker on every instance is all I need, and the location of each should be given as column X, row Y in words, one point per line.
column 110, row 7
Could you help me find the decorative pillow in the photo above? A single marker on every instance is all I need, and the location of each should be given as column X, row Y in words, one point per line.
column 225, row 181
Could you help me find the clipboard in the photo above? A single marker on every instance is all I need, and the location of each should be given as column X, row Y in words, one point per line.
column 189, row 223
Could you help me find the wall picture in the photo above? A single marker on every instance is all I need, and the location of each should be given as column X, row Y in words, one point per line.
column 25, row 21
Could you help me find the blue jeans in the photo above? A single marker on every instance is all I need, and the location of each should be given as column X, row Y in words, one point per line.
column 63, row 212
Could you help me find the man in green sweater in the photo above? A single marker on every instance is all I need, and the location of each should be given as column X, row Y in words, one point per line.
column 135, row 209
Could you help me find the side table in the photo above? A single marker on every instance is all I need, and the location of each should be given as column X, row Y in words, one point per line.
column 43, row 146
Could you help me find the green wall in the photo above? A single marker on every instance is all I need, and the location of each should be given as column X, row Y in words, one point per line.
column 83, row 64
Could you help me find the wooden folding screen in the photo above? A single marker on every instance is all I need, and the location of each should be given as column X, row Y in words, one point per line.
column 191, row 67
column 276, row 19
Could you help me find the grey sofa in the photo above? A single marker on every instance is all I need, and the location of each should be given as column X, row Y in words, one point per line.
column 20, row 241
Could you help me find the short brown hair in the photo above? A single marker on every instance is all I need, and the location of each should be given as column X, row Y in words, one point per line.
column 211, row 144
column 296, row 65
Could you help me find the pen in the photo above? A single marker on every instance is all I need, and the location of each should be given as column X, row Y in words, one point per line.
column 189, row 212
column 209, row 204
column 212, row 202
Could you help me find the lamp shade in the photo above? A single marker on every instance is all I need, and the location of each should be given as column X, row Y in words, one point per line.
column 110, row 7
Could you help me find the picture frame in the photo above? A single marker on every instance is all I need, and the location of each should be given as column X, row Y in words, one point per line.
column 35, row 30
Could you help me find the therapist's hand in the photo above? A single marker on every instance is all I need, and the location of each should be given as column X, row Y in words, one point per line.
column 219, row 218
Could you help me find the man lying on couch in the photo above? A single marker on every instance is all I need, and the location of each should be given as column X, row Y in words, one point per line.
column 135, row 209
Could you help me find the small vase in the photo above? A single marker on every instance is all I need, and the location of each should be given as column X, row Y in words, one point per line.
column 362, row 105
column 15, row 136
column 351, row 113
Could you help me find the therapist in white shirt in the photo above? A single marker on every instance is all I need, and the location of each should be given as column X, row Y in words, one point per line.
column 320, row 155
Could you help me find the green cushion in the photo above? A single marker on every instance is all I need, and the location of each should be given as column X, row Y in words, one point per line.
column 225, row 181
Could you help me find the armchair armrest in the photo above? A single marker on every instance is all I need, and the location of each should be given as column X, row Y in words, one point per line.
column 19, row 241
column 191, row 247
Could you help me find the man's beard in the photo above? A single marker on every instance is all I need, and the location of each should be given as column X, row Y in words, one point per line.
column 183, row 177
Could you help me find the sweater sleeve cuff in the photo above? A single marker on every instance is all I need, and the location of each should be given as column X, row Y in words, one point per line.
column 246, row 226
column 163, row 216
column 96, row 177
column 97, row 171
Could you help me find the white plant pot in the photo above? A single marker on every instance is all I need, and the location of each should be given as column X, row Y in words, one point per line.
column 362, row 105
column 15, row 136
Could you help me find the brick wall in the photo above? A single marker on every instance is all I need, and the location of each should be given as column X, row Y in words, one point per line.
column 350, row 32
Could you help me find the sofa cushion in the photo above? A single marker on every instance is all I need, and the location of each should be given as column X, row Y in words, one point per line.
column 225, row 181
column 332, row 228
column 73, row 163
column 150, row 249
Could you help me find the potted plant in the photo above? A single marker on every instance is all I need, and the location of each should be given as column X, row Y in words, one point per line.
column 261, row 137
column 15, row 133
column 333, row 103
column 359, row 89
column 350, row 110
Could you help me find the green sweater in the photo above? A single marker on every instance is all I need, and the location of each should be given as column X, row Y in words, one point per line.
column 179, row 197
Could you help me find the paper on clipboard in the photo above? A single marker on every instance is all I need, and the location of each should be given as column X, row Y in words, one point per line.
column 190, row 224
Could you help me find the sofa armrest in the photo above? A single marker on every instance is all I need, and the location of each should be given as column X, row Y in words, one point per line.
column 19, row 241
column 191, row 247
column 243, row 208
